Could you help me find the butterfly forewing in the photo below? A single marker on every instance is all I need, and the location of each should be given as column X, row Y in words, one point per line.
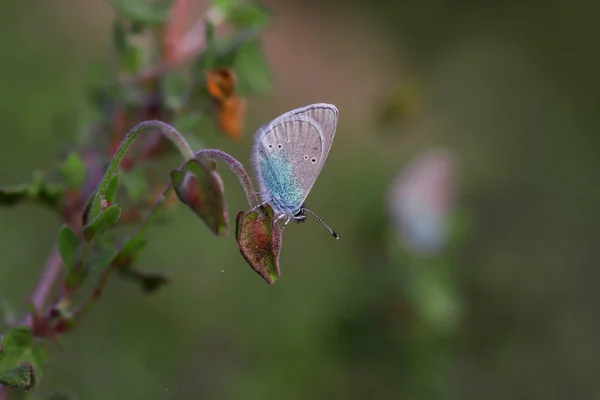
column 326, row 115
column 290, row 152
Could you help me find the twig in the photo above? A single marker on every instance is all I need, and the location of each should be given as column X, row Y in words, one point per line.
column 50, row 275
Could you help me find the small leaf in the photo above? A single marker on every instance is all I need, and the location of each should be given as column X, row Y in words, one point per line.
column 17, row 349
column 120, row 37
column 132, row 60
column 259, row 240
column 254, row 72
column 38, row 191
column 249, row 16
column 102, row 258
column 74, row 170
column 108, row 217
column 68, row 242
column 112, row 189
column 39, row 358
column 175, row 90
column 143, row 12
column 86, row 210
column 225, row 6
column 22, row 377
column 149, row 282
column 222, row 54
column 131, row 250
column 17, row 338
column 207, row 59
column 201, row 188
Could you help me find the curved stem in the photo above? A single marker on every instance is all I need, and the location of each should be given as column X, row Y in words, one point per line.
column 167, row 130
column 237, row 168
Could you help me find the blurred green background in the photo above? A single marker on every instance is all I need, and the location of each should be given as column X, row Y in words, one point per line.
column 510, row 88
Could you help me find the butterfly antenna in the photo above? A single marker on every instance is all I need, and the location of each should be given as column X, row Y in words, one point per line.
column 335, row 235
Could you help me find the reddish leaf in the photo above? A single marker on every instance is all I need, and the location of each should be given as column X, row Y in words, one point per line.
column 200, row 187
column 221, row 83
column 229, row 108
column 259, row 239
column 230, row 115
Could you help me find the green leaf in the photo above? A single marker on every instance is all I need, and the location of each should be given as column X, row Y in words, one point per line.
column 17, row 338
column 132, row 60
column 112, row 189
column 201, row 188
column 74, row 170
column 175, row 90
column 225, row 6
column 102, row 258
column 86, row 210
column 120, row 37
column 39, row 357
column 259, row 240
column 249, row 16
column 149, row 282
column 39, row 191
column 143, row 12
column 108, row 217
column 21, row 358
column 135, row 183
column 22, row 377
column 207, row 58
column 131, row 250
column 254, row 73
column 68, row 242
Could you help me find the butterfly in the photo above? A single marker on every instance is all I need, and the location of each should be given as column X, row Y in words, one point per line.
column 288, row 156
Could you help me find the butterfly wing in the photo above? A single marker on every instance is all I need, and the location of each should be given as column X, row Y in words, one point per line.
column 289, row 154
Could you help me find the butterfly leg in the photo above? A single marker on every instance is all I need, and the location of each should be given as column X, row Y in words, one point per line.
column 280, row 217
column 256, row 207
column 284, row 225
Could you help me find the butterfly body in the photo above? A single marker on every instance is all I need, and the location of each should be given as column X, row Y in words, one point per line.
column 289, row 153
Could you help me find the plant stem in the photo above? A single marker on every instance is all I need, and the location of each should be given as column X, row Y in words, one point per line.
column 161, row 198
column 167, row 130
column 237, row 168
column 50, row 274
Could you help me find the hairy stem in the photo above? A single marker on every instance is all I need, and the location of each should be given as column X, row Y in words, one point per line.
column 167, row 130
column 237, row 168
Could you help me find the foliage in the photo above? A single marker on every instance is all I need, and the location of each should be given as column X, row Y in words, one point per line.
column 168, row 103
